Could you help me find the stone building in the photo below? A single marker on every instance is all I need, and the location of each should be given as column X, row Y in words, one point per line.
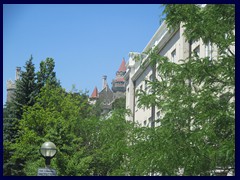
column 11, row 85
column 118, row 84
column 174, row 46
column 106, row 96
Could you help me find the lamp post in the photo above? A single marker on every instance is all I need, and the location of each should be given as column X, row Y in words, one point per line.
column 48, row 150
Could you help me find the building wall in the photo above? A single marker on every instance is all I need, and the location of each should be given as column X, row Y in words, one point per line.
column 142, row 115
column 170, row 44
column 132, row 67
column 167, row 42
column 11, row 86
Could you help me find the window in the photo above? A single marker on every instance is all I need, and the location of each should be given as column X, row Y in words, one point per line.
column 145, row 122
column 196, row 51
column 151, row 77
column 158, row 122
column 146, row 86
column 208, row 50
column 173, row 56
column 194, row 41
column 150, row 119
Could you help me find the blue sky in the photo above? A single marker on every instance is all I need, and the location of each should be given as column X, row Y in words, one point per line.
column 86, row 41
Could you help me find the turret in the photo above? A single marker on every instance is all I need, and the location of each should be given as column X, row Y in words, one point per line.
column 18, row 71
column 94, row 97
column 104, row 83
column 11, row 85
column 118, row 84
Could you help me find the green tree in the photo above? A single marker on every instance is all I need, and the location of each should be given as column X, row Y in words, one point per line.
column 25, row 92
column 97, row 108
column 54, row 117
column 106, row 141
column 9, row 122
column 214, row 23
column 10, row 132
column 46, row 74
column 86, row 144
column 196, row 97
column 24, row 95
column 119, row 103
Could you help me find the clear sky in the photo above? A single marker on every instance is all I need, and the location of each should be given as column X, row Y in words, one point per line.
column 86, row 41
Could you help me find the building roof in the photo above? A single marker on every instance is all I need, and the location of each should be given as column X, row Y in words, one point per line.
column 94, row 93
column 122, row 66
column 106, row 95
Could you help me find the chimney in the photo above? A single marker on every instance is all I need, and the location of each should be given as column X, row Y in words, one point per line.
column 18, row 70
column 104, row 82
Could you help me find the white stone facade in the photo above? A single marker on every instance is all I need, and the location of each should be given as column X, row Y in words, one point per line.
column 171, row 44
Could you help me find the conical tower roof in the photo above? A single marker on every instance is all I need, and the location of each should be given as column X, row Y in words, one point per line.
column 122, row 67
column 95, row 93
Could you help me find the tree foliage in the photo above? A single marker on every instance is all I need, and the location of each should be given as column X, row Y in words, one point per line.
column 119, row 103
column 197, row 96
column 10, row 133
column 46, row 74
column 25, row 92
column 106, row 140
column 86, row 145
column 25, row 95
column 54, row 117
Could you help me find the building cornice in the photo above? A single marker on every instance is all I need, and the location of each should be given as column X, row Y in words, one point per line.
column 160, row 45
column 157, row 36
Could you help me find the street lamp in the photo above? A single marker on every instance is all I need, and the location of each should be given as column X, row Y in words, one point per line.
column 48, row 150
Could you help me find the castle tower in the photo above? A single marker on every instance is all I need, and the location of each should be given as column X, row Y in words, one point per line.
column 104, row 83
column 10, row 90
column 18, row 71
column 118, row 84
column 11, row 85
column 94, row 97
